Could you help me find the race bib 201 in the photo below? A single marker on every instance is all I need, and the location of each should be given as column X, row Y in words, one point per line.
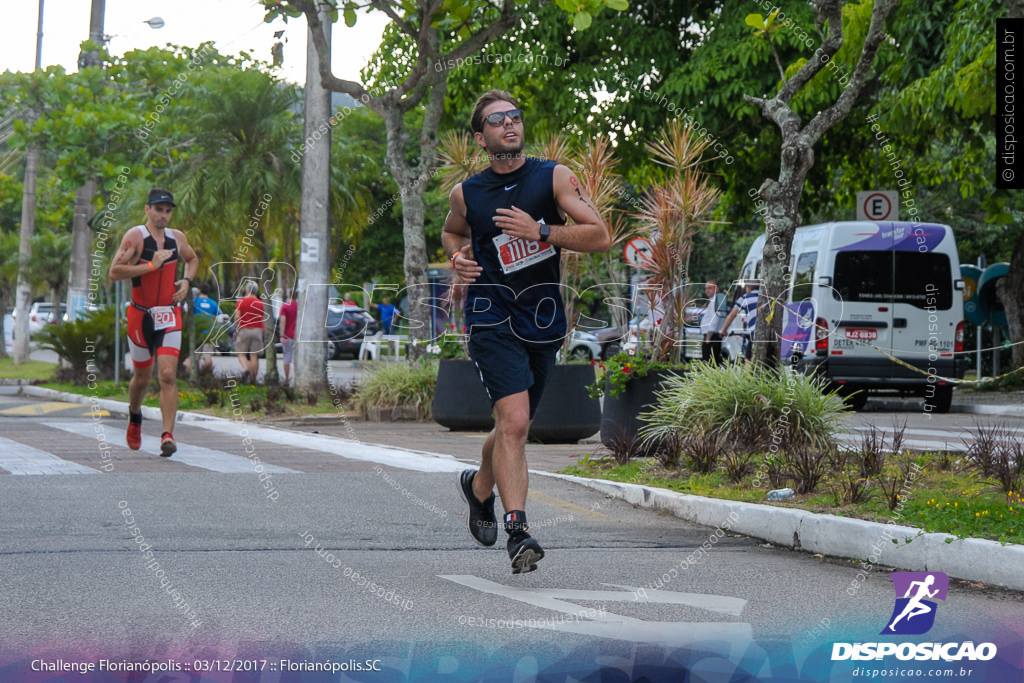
column 163, row 317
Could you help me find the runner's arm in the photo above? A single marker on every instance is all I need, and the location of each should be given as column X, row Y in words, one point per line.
column 587, row 234
column 188, row 255
column 126, row 261
column 456, row 238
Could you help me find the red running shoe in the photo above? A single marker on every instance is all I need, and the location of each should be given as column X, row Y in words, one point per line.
column 134, row 435
column 167, row 445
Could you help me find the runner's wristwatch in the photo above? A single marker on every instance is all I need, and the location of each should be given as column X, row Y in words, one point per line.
column 545, row 231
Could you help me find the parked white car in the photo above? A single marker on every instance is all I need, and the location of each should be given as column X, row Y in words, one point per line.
column 40, row 314
column 584, row 346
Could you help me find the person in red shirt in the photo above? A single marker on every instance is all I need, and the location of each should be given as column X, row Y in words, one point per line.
column 249, row 342
column 289, row 313
column 149, row 255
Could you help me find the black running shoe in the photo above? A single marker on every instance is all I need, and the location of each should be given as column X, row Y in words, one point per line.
column 482, row 524
column 524, row 551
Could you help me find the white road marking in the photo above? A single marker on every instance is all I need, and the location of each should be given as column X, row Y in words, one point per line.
column 604, row 624
column 189, row 454
column 419, row 461
column 17, row 458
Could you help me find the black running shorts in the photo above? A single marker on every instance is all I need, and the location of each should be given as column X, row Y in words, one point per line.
column 509, row 365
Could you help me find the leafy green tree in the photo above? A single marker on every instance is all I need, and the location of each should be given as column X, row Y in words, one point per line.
column 237, row 185
column 422, row 40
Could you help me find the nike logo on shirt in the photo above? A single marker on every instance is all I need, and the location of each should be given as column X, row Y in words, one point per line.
column 509, row 187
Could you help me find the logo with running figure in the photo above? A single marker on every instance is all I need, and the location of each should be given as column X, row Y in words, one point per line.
column 914, row 612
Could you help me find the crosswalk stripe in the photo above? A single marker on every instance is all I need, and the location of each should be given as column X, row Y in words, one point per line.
column 351, row 449
column 188, row 454
column 934, row 433
column 17, row 458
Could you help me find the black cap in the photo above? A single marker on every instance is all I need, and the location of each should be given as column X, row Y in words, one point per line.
column 160, row 197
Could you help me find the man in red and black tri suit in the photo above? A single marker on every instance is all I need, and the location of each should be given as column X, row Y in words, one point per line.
column 504, row 235
column 149, row 255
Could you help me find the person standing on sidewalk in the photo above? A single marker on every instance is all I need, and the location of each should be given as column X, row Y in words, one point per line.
column 249, row 342
column 711, row 319
column 289, row 313
column 503, row 235
column 746, row 304
column 149, row 255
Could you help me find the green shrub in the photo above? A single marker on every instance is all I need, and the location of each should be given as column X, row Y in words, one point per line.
column 747, row 406
column 85, row 344
column 747, row 409
column 393, row 384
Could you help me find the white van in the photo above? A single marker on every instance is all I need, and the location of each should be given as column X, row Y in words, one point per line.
column 862, row 293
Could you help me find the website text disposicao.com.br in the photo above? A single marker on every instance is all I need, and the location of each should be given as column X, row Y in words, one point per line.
column 911, row 658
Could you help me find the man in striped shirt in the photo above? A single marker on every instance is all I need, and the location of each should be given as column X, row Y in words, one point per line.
column 746, row 303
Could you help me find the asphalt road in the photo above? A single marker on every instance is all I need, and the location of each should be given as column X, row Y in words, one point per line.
column 267, row 569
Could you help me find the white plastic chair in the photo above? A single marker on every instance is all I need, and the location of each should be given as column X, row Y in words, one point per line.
column 369, row 349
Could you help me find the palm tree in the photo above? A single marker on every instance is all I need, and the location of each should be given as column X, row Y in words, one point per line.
column 240, row 186
column 51, row 253
column 240, row 190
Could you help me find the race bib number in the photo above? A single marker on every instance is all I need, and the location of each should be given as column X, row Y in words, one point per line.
column 515, row 253
column 163, row 317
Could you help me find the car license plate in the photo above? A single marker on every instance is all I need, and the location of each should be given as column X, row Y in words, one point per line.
column 861, row 333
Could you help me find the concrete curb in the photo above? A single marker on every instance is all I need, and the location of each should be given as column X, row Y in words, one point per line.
column 986, row 409
column 890, row 545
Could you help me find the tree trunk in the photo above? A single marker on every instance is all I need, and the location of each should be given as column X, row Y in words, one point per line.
column 783, row 198
column 314, row 230
column 1011, row 293
column 412, row 181
column 23, row 296
column 797, row 158
column 81, row 240
column 3, row 332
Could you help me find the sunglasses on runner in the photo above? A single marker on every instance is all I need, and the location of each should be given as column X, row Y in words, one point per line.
column 498, row 117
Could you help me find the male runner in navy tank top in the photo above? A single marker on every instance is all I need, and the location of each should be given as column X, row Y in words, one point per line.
column 504, row 235
column 149, row 255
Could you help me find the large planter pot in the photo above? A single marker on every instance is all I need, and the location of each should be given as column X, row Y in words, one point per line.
column 460, row 400
column 566, row 412
column 620, row 423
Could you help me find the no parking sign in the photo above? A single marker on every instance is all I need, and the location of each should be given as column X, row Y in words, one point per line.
column 878, row 205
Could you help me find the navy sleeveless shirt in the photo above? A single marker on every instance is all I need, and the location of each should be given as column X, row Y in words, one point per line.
column 520, row 279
